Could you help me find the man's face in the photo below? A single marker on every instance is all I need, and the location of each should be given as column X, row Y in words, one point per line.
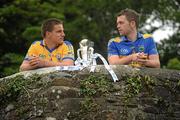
column 57, row 34
column 123, row 25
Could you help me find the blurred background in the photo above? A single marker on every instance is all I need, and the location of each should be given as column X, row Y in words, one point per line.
column 20, row 22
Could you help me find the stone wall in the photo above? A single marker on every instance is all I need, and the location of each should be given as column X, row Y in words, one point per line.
column 50, row 94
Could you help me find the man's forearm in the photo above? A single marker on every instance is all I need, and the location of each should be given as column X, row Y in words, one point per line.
column 125, row 60
column 114, row 60
column 25, row 67
column 153, row 63
column 63, row 63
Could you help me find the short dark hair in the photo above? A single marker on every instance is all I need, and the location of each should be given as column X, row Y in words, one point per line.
column 131, row 15
column 48, row 25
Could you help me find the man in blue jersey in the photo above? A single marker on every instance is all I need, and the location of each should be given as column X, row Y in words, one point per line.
column 132, row 47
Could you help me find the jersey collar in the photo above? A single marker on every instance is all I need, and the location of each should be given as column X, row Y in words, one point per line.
column 125, row 39
column 44, row 45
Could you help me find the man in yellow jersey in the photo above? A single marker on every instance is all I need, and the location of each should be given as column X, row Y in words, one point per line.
column 52, row 50
column 132, row 47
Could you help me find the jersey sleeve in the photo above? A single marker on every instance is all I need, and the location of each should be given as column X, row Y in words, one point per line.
column 112, row 49
column 32, row 51
column 68, row 52
column 152, row 47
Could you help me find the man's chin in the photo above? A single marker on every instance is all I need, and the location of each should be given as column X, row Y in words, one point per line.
column 61, row 42
column 121, row 34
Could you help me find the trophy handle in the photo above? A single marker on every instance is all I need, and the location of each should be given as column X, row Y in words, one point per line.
column 91, row 52
column 78, row 53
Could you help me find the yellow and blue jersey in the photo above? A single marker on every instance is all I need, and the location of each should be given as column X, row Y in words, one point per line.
column 121, row 46
column 57, row 54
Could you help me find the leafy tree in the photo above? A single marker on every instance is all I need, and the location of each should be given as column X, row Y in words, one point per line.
column 170, row 48
column 174, row 64
column 11, row 63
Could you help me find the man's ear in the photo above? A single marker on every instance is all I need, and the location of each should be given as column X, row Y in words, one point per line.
column 133, row 23
column 47, row 33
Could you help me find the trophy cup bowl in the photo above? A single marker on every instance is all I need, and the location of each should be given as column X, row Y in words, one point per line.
column 86, row 48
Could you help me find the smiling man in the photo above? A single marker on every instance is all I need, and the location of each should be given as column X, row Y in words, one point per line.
column 52, row 50
column 132, row 47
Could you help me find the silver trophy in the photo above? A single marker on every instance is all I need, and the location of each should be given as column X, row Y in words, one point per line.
column 86, row 57
column 85, row 53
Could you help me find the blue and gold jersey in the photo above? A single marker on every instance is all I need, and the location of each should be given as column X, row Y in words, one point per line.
column 58, row 54
column 121, row 46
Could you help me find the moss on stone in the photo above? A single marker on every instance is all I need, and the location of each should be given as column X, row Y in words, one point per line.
column 94, row 85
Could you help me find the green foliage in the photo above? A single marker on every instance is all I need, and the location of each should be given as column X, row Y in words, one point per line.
column 94, row 85
column 134, row 85
column 32, row 33
column 169, row 49
column 16, row 84
column 88, row 105
column 11, row 63
column 174, row 64
column 12, row 57
column 90, row 87
column 10, row 88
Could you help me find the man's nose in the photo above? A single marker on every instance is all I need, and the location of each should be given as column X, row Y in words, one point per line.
column 118, row 25
column 63, row 34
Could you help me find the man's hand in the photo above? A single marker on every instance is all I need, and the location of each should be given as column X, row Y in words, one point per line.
column 36, row 62
column 142, row 59
column 134, row 57
column 138, row 59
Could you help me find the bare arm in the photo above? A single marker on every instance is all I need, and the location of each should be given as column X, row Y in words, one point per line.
column 115, row 59
column 152, row 61
column 26, row 66
column 67, row 62
column 37, row 62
